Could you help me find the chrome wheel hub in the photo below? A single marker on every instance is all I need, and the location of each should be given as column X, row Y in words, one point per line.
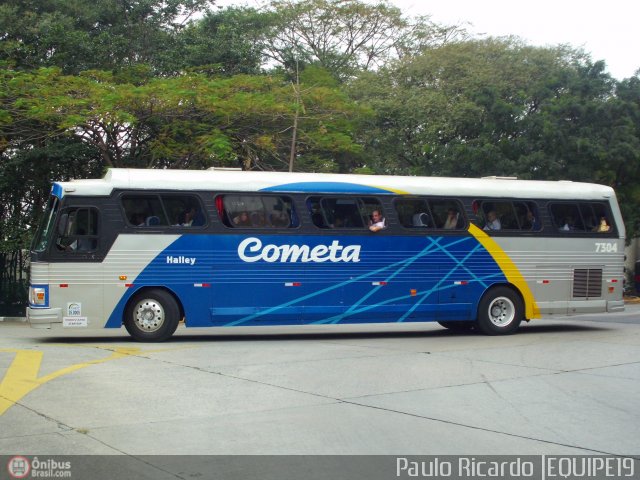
column 148, row 315
column 502, row 312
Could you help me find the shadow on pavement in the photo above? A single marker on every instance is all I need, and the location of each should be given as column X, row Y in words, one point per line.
column 250, row 334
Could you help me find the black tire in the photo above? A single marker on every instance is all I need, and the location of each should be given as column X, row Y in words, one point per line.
column 458, row 326
column 152, row 316
column 500, row 312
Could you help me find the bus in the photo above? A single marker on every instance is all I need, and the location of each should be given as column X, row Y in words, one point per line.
column 150, row 249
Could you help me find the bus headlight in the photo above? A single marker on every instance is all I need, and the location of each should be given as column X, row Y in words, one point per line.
column 37, row 296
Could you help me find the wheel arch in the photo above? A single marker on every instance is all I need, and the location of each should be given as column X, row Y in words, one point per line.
column 140, row 290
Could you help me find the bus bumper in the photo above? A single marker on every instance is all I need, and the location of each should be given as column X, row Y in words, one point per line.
column 44, row 317
column 615, row 306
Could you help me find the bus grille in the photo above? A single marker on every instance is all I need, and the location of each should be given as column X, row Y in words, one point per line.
column 587, row 282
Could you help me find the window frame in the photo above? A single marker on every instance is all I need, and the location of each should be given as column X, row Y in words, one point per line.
column 463, row 220
column 586, row 230
column 192, row 199
column 530, row 204
column 358, row 200
column 59, row 249
column 227, row 220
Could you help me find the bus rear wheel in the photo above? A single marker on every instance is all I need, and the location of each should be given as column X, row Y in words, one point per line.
column 152, row 316
column 500, row 312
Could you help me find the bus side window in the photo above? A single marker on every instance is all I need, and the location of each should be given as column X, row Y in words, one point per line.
column 78, row 230
column 144, row 210
column 315, row 212
column 566, row 217
column 413, row 213
column 183, row 210
column 600, row 221
column 528, row 216
column 447, row 214
column 344, row 212
column 257, row 211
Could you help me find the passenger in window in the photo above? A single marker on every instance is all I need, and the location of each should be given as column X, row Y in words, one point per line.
column 493, row 222
column 377, row 222
column 138, row 219
column 339, row 222
column 258, row 219
column 279, row 219
column 603, row 226
column 242, row 220
column 569, row 224
column 186, row 217
column 452, row 219
column 533, row 222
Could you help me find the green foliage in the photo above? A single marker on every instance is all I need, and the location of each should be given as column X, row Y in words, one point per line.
column 500, row 107
column 25, row 180
column 189, row 121
column 225, row 42
column 346, row 37
column 80, row 35
column 174, row 84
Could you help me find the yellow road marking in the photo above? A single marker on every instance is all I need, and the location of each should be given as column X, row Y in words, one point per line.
column 22, row 376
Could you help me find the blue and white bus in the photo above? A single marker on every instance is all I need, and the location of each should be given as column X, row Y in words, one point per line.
column 149, row 249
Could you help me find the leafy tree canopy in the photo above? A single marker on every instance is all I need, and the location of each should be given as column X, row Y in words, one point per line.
column 83, row 34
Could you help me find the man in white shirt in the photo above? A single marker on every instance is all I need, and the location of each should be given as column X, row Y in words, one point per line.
column 377, row 221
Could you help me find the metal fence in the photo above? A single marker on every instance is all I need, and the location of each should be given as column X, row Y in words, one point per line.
column 14, row 285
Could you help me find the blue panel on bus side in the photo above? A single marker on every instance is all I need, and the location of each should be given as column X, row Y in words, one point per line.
column 278, row 279
column 326, row 187
column 184, row 268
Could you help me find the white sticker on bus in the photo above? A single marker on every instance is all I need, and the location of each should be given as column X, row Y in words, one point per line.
column 74, row 309
column 75, row 322
column 251, row 250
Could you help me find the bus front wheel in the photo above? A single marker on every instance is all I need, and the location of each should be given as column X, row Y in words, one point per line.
column 152, row 316
column 500, row 312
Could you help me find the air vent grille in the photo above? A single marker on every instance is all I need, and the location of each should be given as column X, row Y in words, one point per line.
column 587, row 283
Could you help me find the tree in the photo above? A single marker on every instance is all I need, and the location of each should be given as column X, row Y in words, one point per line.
column 500, row 107
column 189, row 121
column 346, row 36
column 225, row 42
column 83, row 34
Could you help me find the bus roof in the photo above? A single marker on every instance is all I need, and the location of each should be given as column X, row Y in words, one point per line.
column 249, row 181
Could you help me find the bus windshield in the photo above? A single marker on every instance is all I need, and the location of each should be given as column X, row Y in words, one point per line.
column 43, row 234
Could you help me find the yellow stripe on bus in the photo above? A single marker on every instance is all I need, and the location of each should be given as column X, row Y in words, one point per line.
column 509, row 269
column 394, row 190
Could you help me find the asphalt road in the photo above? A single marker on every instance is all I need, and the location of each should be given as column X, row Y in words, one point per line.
column 559, row 386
